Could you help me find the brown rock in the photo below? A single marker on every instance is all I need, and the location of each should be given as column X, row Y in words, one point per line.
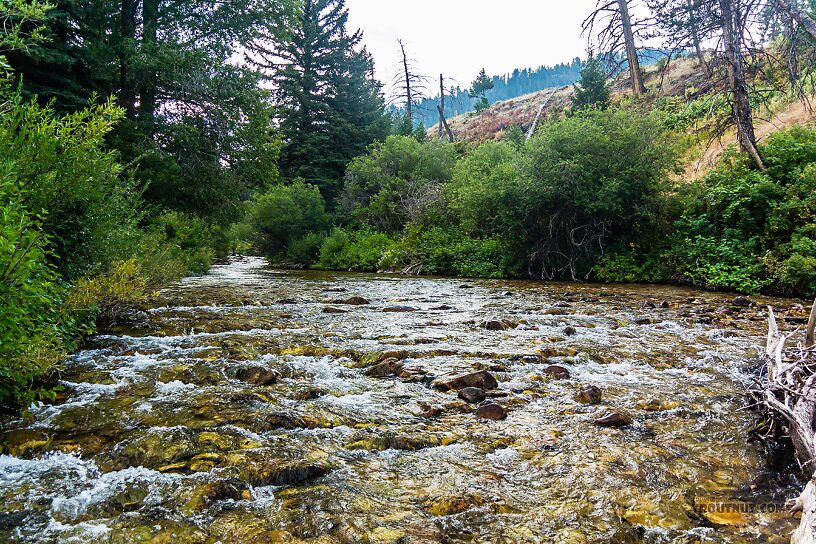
column 399, row 309
column 333, row 310
column 557, row 371
column 389, row 367
column 491, row 411
column 643, row 321
column 257, row 375
column 481, row 379
column 472, row 394
column 589, row 395
column 741, row 301
column 353, row 301
column 569, row 331
column 493, row 325
column 613, row 419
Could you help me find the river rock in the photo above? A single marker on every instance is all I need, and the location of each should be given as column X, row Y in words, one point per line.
column 352, row 301
column 399, row 309
column 742, row 301
column 442, row 307
column 643, row 321
column 257, row 375
column 613, row 419
column 333, row 310
column 557, row 371
column 496, row 325
column 390, row 367
column 491, row 411
column 569, row 331
column 288, row 301
column 472, row 394
column 274, row 472
column 481, row 379
column 589, row 395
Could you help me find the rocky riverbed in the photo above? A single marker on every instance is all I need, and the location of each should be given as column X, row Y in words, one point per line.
column 255, row 406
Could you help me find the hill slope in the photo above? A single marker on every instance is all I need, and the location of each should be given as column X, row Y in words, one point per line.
column 684, row 78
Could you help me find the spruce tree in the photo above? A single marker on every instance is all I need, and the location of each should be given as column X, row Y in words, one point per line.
column 592, row 89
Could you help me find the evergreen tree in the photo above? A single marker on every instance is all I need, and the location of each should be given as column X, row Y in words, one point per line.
column 479, row 88
column 592, row 90
column 169, row 65
column 318, row 76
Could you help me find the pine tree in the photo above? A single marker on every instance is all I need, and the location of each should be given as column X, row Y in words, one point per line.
column 592, row 90
column 318, row 77
column 479, row 88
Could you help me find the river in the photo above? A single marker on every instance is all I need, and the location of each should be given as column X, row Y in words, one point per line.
column 243, row 411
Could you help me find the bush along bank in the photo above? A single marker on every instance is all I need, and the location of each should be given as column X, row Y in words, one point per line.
column 592, row 196
column 78, row 248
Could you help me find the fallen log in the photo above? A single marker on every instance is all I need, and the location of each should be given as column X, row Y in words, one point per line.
column 789, row 394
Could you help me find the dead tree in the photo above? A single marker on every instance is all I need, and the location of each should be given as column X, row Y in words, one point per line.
column 789, row 394
column 408, row 86
column 733, row 32
column 801, row 18
column 615, row 32
column 684, row 24
column 443, row 123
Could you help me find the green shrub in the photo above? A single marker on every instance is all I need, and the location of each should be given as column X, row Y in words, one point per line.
column 305, row 251
column 396, row 182
column 35, row 331
column 362, row 251
column 284, row 214
column 449, row 252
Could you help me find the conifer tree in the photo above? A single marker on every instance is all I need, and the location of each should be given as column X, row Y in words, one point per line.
column 479, row 88
column 592, row 90
column 318, row 76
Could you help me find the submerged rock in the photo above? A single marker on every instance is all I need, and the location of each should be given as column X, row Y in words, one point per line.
column 482, row 379
column 613, row 419
column 589, row 395
column 257, row 375
column 491, row 411
column 399, row 309
column 390, row 367
column 274, row 472
column 352, row 301
column 455, row 505
column 333, row 310
column 472, row 394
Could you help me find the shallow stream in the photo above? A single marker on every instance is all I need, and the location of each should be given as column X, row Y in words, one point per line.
column 163, row 433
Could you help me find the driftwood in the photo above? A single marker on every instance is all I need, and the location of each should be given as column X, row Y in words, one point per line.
column 789, row 393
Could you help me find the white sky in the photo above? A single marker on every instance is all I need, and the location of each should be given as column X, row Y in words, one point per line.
column 459, row 37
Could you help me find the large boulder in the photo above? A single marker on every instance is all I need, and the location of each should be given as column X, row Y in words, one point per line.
column 482, row 380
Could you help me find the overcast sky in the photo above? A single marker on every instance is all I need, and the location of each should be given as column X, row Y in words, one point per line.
column 459, row 37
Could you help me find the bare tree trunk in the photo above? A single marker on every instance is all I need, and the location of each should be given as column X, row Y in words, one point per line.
column 810, row 332
column 147, row 85
column 444, row 122
column 740, row 105
column 441, row 105
column 799, row 16
column 127, row 85
column 408, row 96
column 695, row 37
column 631, row 49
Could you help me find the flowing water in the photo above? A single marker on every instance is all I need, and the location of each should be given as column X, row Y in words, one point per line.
column 156, row 439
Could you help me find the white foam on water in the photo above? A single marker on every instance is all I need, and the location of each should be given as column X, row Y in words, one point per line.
column 173, row 388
